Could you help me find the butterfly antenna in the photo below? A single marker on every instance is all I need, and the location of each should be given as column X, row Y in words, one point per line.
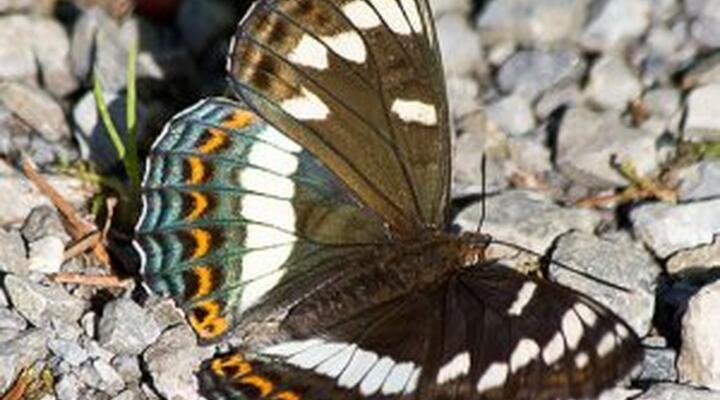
column 564, row 266
column 483, row 181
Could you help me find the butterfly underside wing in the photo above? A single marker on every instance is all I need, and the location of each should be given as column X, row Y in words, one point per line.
column 307, row 224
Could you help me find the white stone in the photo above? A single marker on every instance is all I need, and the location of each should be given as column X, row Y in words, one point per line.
column 699, row 361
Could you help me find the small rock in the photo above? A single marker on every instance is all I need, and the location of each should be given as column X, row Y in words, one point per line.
column 12, row 249
column 588, row 141
column 171, row 362
column 68, row 351
column 126, row 328
column 617, row 262
column 20, row 353
column 702, row 122
column 532, row 21
column 17, row 59
column 512, row 114
column 97, row 351
column 110, row 380
column 89, row 323
column 456, row 43
column 68, row 387
column 13, row 6
column 700, row 181
column 556, row 98
column 462, row 96
column 699, row 361
column 39, row 304
column 703, row 72
column 673, row 391
column 529, row 73
column 42, row 222
column 65, row 330
column 165, row 312
column 91, row 134
column 37, row 109
column 616, row 23
column 46, row 255
column 11, row 320
column 52, row 52
column 612, row 83
column 128, row 367
column 662, row 101
column 704, row 26
column 667, row 228
column 658, row 364
column 695, row 260
column 527, row 219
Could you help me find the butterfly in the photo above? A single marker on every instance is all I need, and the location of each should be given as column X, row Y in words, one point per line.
column 307, row 225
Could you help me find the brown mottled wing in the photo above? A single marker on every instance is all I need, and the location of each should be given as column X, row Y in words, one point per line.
column 359, row 84
column 487, row 334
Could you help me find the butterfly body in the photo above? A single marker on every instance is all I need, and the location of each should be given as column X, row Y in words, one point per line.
column 308, row 225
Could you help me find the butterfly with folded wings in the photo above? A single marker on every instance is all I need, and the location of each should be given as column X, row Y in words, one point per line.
column 310, row 219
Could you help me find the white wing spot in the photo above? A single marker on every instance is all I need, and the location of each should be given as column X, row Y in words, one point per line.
column 312, row 357
column 621, row 331
column 361, row 14
column 554, row 349
column 415, row 111
column 413, row 381
column 348, row 45
column 525, row 351
column 290, row 348
column 260, row 181
column 494, row 376
column 375, row 378
column 398, row 378
column 273, row 136
column 606, row 344
column 333, row 366
column 413, row 15
column 586, row 314
column 360, row 364
column 572, row 328
column 306, row 106
column 393, row 16
column 458, row 366
column 523, row 298
column 272, row 158
column 310, row 52
column 581, row 360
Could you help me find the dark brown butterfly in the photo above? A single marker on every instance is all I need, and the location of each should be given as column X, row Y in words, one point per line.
column 313, row 219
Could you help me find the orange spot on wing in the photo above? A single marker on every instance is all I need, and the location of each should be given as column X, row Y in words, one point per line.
column 205, row 281
column 216, row 140
column 200, row 204
column 263, row 385
column 286, row 395
column 197, row 170
column 203, row 240
column 238, row 119
column 206, row 320
column 233, row 365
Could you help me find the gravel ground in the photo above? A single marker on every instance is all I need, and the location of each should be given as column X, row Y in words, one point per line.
column 592, row 114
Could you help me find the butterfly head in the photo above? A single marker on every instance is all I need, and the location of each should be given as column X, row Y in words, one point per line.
column 473, row 247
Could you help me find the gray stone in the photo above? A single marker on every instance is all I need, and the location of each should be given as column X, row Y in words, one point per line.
column 588, row 141
column 42, row 222
column 662, row 101
column 557, row 97
column 97, row 351
column 699, row 181
column 442, row 7
column 68, row 387
column 17, row 58
column 11, row 320
column 528, row 219
column 456, row 38
column 673, row 391
column 481, row 137
column 128, row 367
column 667, row 228
column 616, row 262
column 171, row 362
column 68, row 351
column 703, row 72
column 12, row 249
column 529, row 73
column 11, row 6
column 52, row 52
column 658, row 364
column 616, row 23
column 165, row 312
column 697, row 260
column 20, row 353
column 91, row 134
column 702, row 122
column 462, row 96
column 512, row 114
column 612, row 83
column 111, row 381
column 65, row 330
column 704, row 26
column 46, row 255
column 699, row 361
column 37, row 109
column 532, row 21
column 38, row 303
column 89, row 323
column 126, row 328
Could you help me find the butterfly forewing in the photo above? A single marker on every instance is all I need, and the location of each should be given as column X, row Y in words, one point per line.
column 233, row 208
column 358, row 83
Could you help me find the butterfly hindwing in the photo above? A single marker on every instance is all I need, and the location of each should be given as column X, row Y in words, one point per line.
column 489, row 333
column 233, row 207
column 358, row 83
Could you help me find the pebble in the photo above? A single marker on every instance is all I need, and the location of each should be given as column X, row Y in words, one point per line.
column 658, row 364
column 704, row 27
column 587, row 142
column 702, row 121
column 38, row 303
column 128, row 367
column 43, row 222
column 529, row 73
column 126, row 328
column 703, row 72
column 69, row 351
column 616, row 23
column 68, row 387
column 12, row 249
column 20, row 353
column 111, row 382
column 699, row 181
column 46, row 255
column 699, row 361
column 559, row 97
column 612, row 84
column 697, row 260
column 37, row 109
column 513, row 114
column 17, row 58
column 460, row 45
column 667, row 228
column 172, row 361
column 165, row 312
column 51, row 47
column 673, row 391
column 532, row 21
column 613, row 261
column 12, row 6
